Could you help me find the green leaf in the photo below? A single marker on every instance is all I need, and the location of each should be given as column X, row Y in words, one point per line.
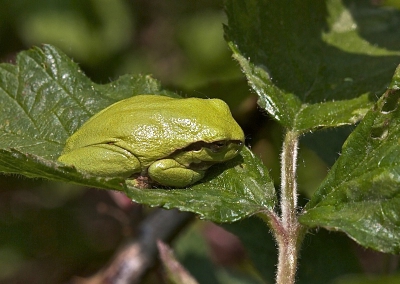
column 45, row 98
column 313, row 64
column 361, row 194
column 318, row 115
column 280, row 105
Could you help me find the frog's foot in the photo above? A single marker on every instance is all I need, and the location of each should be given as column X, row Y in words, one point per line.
column 170, row 173
column 141, row 181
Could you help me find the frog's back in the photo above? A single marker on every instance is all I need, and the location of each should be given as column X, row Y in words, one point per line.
column 113, row 121
column 156, row 126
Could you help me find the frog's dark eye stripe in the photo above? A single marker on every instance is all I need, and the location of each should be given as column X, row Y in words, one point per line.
column 197, row 146
column 217, row 146
column 214, row 146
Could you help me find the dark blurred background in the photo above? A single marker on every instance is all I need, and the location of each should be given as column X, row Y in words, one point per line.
column 179, row 42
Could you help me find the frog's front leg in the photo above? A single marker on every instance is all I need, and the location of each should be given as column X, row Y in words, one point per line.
column 105, row 160
column 170, row 173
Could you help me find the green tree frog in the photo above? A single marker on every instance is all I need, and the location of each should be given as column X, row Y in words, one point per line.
column 169, row 141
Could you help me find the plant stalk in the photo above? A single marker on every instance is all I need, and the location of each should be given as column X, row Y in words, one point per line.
column 291, row 233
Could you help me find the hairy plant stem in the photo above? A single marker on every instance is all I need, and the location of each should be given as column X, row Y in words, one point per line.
column 290, row 233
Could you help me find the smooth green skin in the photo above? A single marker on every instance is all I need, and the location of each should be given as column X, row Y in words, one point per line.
column 172, row 141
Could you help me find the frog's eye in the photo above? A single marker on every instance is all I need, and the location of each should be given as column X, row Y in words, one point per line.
column 217, row 146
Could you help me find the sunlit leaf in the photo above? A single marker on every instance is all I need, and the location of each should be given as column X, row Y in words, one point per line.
column 313, row 64
column 361, row 194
